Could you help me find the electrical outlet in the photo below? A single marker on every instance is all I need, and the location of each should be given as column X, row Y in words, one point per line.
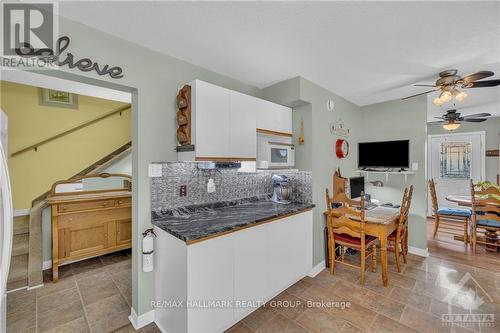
column 183, row 191
column 154, row 170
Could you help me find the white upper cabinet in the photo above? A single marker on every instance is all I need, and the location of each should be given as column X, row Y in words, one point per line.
column 273, row 117
column 242, row 126
column 224, row 122
column 212, row 120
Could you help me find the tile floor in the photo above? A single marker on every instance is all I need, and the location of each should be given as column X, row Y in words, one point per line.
column 413, row 302
column 93, row 295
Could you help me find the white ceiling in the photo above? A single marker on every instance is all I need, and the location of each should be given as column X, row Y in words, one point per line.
column 366, row 52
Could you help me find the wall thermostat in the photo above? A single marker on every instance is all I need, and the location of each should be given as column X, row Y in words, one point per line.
column 330, row 105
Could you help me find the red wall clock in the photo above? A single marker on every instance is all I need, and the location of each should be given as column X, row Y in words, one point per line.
column 341, row 148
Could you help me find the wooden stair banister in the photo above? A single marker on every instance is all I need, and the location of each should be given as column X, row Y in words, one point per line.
column 89, row 169
column 71, row 130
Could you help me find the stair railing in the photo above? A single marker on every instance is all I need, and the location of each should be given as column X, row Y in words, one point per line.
column 71, row 130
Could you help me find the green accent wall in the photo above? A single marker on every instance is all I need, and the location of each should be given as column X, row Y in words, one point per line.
column 399, row 120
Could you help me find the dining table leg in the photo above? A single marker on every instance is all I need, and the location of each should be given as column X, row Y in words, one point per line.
column 383, row 258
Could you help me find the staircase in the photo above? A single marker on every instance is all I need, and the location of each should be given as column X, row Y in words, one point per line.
column 18, row 274
column 26, row 258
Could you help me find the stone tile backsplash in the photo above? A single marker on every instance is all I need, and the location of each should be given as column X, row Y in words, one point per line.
column 230, row 185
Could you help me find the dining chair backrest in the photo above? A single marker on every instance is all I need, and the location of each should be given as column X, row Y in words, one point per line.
column 347, row 220
column 339, row 191
column 404, row 212
column 432, row 190
column 485, row 204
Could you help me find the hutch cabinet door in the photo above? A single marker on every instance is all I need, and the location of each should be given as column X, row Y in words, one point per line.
column 80, row 240
column 123, row 232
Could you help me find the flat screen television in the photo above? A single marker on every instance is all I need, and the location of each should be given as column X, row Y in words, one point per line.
column 384, row 154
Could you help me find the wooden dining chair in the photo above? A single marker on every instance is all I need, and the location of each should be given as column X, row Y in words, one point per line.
column 346, row 228
column 451, row 214
column 398, row 239
column 485, row 213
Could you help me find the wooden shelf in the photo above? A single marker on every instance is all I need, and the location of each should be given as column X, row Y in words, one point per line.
column 387, row 173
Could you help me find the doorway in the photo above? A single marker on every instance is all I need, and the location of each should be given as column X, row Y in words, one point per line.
column 453, row 160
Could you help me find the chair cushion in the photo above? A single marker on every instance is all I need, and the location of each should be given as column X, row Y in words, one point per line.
column 454, row 211
column 345, row 238
column 488, row 223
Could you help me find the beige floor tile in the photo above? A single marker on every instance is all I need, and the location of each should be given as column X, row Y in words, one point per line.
column 126, row 329
column 374, row 283
column 105, row 308
column 318, row 321
column 347, row 290
column 115, row 257
column 288, row 305
column 151, row 328
column 324, row 279
column 92, row 291
column 59, row 316
column 281, row 324
column 419, row 274
column 299, row 287
column 259, row 317
column 239, row 328
column 84, row 268
column 383, row 305
column 111, row 322
column 21, row 321
column 355, row 314
column 21, row 300
column 431, row 289
column 50, row 287
column 56, row 300
column 317, row 294
column 63, row 272
column 401, row 280
column 78, row 325
column 383, row 324
column 350, row 328
column 411, row 298
column 421, row 321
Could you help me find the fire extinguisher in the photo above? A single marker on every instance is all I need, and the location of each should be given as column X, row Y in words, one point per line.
column 147, row 250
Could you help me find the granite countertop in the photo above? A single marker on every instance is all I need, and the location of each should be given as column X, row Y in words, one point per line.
column 194, row 223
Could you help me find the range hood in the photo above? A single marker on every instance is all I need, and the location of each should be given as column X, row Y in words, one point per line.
column 218, row 165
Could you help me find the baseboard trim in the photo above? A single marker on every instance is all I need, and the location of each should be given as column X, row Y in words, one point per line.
column 418, row 251
column 21, row 212
column 47, row 264
column 142, row 320
column 317, row 269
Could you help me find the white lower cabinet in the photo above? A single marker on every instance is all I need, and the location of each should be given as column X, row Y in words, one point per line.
column 217, row 279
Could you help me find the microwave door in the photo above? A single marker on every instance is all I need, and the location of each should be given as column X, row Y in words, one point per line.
column 279, row 156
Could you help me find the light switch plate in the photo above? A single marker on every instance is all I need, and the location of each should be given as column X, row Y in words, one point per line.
column 154, row 170
column 414, row 166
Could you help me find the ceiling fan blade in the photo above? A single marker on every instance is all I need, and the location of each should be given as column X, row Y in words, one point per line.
column 420, row 94
column 477, row 76
column 477, row 115
column 440, row 117
column 487, row 83
column 424, row 85
column 474, row 120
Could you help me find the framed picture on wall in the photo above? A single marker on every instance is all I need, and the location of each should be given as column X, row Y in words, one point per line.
column 57, row 98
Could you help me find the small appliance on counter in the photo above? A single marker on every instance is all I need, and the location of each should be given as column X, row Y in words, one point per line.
column 281, row 189
column 219, row 165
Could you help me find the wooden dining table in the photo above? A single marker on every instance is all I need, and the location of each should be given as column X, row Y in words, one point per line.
column 380, row 222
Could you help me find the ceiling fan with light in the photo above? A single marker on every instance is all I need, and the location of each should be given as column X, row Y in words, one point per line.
column 451, row 120
column 449, row 84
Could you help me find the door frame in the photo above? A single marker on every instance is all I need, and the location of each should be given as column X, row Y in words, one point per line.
column 482, row 135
